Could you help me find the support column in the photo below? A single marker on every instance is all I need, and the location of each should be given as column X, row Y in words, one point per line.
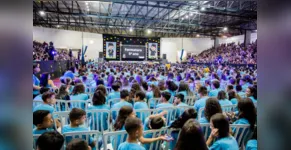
column 247, row 39
column 216, row 42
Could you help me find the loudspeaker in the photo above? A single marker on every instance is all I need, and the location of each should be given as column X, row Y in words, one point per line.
column 164, row 56
column 100, row 54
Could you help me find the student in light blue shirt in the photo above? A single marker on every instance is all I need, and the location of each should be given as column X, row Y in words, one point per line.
column 251, row 93
column 183, row 89
column 98, row 101
column 171, row 88
column 116, row 91
column 134, row 129
column 43, row 121
column 41, row 91
column 215, row 88
column 212, row 107
column 165, row 97
column 77, row 119
column 124, row 95
column 222, row 99
column 179, row 101
column 48, row 102
column 79, row 94
column 220, row 137
column 154, row 93
column 232, row 97
column 140, row 104
column 203, row 97
column 247, row 113
column 238, row 89
column 179, row 123
column 243, row 84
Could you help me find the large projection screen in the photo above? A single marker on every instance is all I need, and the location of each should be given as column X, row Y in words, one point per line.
column 133, row 52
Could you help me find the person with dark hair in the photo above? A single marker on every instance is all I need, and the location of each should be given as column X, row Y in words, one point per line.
column 251, row 92
column 233, row 97
column 63, row 93
column 215, row 88
column 116, row 91
column 79, row 93
column 77, row 118
column 140, row 103
column 124, row 95
column 35, row 80
column 165, row 97
column 161, row 85
column 252, row 144
column 48, row 102
column 191, row 137
column 211, row 108
column 98, row 101
column 134, row 88
column 52, row 140
column 183, row 88
column 228, row 88
column 171, row 87
column 219, row 126
column 239, row 91
column 179, row 101
column 202, row 91
column 179, row 123
column 78, row 144
column 223, row 99
column 144, row 86
column 153, row 93
column 41, row 91
column 43, row 120
column 247, row 113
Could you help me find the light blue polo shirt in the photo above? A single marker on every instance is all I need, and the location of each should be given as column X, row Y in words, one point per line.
column 44, row 107
column 200, row 103
column 118, row 106
column 214, row 93
column 104, row 117
column 114, row 94
column 130, row 146
column 224, row 102
column 252, row 145
column 226, row 143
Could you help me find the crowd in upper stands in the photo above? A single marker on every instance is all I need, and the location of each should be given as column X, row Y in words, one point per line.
column 124, row 89
column 41, row 52
column 230, row 53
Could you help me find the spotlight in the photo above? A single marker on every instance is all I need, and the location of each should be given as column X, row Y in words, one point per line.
column 58, row 26
column 225, row 29
column 130, row 29
column 186, row 16
column 41, row 13
column 86, row 3
column 191, row 14
column 197, row 35
column 149, row 31
column 91, row 41
column 202, row 8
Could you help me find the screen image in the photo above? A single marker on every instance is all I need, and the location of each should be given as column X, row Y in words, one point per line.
column 111, row 50
column 152, row 50
column 133, row 52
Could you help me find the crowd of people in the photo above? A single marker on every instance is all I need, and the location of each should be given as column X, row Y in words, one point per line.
column 41, row 52
column 230, row 53
column 150, row 86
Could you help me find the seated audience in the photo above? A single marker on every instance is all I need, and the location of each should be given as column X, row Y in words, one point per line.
column 215, row 86
column 43, row 121
column 48, row 102
column 78, row 144
column 222, row 99
column 52, row 140
column 116, row 91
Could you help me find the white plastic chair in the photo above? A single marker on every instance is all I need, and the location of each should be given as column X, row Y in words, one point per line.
column 153, row 134
column 142, row 114
column 115, row 138
column 190, row 100
column 35, row 137
column 241, row 132
column 155, row 101
column 228, row 108
column 68, row 105
column 201, row 110
column 96, row 119
column 85, row 135
column 63, row 117
column 206, row 129
column 113, row 101
column 170, row 116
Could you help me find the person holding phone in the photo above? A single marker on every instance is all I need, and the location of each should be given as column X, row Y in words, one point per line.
column 220, row 133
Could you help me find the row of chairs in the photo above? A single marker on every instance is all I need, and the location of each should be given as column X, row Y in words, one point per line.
column 67, row 105
column 104, row 140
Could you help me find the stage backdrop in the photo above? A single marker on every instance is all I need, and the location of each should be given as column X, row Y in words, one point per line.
column 134, row 48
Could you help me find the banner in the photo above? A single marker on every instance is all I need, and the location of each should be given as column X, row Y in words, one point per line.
column 133, row 52
column 111, row 50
